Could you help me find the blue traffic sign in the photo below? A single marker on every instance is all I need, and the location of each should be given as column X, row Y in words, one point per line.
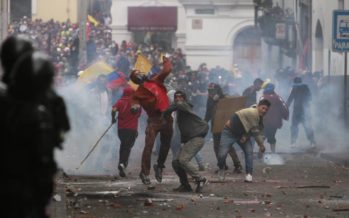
column 340, row 33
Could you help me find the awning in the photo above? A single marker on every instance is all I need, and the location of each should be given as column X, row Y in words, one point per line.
column 152, row 19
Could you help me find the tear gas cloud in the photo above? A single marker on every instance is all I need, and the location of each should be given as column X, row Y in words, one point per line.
column 87, row 126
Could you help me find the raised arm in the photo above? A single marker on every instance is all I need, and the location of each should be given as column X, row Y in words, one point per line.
column 166, row 70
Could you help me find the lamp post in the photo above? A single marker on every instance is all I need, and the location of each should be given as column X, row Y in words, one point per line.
column 4, row 15
column 82, row 14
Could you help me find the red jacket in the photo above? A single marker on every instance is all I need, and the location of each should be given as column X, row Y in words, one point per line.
column 126, row 119
column 152, row 94
column 277, row 111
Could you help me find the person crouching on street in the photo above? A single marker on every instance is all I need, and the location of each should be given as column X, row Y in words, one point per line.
column 127, row 127
column 193, row 131
column 243, row 125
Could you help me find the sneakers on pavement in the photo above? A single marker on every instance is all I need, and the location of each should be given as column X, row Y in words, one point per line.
column 145, row 179
column 221, row 175
column 200, row 183
column 158, row 173
column 121, row 168
column 183, row 188
column 238, row 169
column 248, row 178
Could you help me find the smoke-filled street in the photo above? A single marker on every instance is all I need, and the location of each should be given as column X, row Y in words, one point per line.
column 305, row 185
column 174, row 108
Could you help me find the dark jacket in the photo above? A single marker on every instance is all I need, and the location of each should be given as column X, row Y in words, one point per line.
column 301, row 96
column 277, row 111
column 190, row 125
column 251, row 94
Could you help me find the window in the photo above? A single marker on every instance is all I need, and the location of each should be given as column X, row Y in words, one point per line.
column 205, row 11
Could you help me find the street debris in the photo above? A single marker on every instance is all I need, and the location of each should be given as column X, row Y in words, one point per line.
column 266, row 170
column 157, row 199
column 180, row 207
column 304, row 186
column 83, row 212
column 151, row 187
column 148, row 202
column 313, row 186
column 343, row 209
column 239, row 202
column 336, row 196
column 57, row 198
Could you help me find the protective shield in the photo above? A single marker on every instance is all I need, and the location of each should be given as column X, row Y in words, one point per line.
column 226, row 107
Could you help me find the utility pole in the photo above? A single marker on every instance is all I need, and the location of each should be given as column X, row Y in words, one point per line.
column 4, row 15
column 82, row 13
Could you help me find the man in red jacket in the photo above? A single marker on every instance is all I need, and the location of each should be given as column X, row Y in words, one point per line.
column 277, row 112
column 152, row 96
column 127, row 127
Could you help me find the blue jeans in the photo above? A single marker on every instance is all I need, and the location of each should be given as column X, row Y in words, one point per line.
column 227, row 141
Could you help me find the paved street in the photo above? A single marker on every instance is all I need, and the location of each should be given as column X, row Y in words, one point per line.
column 305, row 186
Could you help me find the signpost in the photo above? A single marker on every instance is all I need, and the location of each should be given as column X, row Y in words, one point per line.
column 340, row 43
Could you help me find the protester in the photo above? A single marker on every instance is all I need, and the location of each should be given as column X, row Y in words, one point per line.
column 152, row 96
column 278, row 111
column 243, row 125
column 251, row 92
column 215, row 93
column 193, row 131
column 301, row 96
column 127, row 127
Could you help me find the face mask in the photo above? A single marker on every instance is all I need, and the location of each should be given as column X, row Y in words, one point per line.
column 140, row 78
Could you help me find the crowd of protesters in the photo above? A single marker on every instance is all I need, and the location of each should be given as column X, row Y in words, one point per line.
column 61, row 42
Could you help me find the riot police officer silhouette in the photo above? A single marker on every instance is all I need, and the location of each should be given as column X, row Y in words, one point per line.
column 32, row 119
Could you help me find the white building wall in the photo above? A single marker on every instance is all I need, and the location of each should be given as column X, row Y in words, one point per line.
column 322, row 11
column 212, row 44
column 119, row 14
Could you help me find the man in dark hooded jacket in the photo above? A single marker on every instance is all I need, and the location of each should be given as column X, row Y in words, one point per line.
column 215, row 93
column 301, row 96
column 193, row 131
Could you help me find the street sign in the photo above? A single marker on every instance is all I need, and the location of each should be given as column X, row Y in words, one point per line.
column 340, row 33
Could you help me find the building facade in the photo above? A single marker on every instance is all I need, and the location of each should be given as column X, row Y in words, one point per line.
column 60, row 10
column 207, row 31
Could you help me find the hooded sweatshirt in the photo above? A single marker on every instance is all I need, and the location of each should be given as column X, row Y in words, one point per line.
column 190, row 125
column 126, row 119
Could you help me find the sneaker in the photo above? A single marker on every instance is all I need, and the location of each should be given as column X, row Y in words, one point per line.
column 238, row 169
column 221, row 175
column 200, row 183
column 183, row 188
column 121, row 168
column 248, row 178
column 158, row 173
column 145, row 179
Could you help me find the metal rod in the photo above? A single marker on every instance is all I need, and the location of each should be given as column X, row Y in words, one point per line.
column 94, row 146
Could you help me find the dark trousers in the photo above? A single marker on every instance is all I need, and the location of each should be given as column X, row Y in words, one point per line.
column 127, row 138
column 164, row 127
column 231, row 152
column 270, row 133
column 305, row 120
